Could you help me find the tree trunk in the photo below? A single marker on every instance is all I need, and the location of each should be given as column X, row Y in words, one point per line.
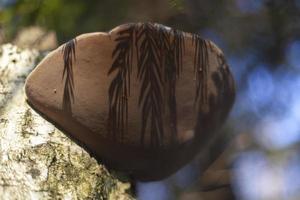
column 37, row 161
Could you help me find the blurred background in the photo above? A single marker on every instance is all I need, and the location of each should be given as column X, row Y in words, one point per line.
column 261, row 41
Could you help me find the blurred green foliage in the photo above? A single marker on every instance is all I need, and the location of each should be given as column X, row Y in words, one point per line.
column 72, row 17
column 177, row 4
column 67, row 17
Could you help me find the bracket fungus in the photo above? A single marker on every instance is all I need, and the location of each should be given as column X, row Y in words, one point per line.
column 143, row 98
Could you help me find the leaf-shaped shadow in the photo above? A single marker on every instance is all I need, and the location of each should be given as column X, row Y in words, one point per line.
column 150, row 75
column 69, row 56
column 201, row 64
column 119, row 89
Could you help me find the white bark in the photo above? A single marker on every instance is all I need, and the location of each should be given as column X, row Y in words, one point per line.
column 37, row 161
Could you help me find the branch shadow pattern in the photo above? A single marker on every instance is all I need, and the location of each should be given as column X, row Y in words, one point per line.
column 159, row 54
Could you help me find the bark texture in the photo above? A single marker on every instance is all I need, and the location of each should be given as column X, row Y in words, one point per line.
column 37, row 161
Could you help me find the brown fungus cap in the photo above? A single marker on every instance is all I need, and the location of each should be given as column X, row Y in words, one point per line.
column 143, row 98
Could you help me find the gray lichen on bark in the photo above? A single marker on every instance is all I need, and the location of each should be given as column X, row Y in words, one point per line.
column 37, row 161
